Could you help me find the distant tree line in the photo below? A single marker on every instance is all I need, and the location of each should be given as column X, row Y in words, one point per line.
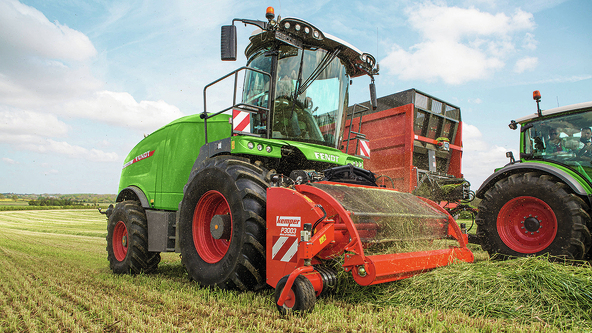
column 42, row 201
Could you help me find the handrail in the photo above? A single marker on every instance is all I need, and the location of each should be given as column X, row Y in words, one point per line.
column 205, row 115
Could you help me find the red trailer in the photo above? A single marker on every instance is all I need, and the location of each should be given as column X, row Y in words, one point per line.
column 415, row 144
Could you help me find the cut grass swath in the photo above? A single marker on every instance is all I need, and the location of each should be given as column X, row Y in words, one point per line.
column 54, row 276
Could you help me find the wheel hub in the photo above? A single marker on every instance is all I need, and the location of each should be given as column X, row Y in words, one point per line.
column 124, row 241
column 532, row 224
column 220, row 226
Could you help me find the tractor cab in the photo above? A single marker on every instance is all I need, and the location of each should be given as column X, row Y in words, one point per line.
column 296, row 81
column 560, row 136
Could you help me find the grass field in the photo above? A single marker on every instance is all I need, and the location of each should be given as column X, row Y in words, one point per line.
column 54, row 276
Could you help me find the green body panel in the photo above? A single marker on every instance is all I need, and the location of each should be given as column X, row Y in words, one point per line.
column 312, row 152
column 160, row 164
column 580, row 176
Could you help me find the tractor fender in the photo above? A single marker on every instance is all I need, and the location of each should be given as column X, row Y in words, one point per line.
column 526, row 167
column 133, row 193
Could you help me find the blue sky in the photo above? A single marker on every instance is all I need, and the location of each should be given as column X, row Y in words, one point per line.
column 81, row 82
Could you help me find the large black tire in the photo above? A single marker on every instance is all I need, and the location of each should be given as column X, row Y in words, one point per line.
column 232, row 190
column 302, row 297
column 533, row 214
column 127, row 240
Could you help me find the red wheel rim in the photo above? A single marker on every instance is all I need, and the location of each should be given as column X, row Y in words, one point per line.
column 120, row 241
column 290, row 300
column 527, row 224
column 211, row 250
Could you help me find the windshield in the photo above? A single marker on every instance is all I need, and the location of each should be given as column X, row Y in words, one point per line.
column 565, row 139
column 309, row 100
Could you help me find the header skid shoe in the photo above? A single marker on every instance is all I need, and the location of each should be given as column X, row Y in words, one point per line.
column 381, row 234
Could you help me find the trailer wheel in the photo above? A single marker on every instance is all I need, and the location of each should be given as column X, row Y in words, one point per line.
column 533, row 214
column 301, row 298
column 127, row 240
column 222, row 224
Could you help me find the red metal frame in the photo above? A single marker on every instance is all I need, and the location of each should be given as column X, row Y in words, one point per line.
column 287, row 254
column 391, row 136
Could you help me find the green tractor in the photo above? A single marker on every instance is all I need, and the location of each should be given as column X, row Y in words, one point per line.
column 541, row 204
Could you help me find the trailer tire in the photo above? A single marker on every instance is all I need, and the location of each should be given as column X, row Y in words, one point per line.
column 533, row 214
column 127, row 240
column 230, row 193
column 301, row 299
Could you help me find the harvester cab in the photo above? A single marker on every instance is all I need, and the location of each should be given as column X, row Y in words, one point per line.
column 270, row 199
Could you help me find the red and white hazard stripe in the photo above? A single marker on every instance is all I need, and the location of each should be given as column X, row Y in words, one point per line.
column 364, row 148
column 241, row 121
column 284, row 249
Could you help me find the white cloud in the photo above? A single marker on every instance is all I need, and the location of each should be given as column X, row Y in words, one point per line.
column 8, row 160
column 480, row 158
column 121, row 109
column 49, row 146
column 24, row 29
column 529, row 42
column 22, row 122
column 458, row 44
column 42, row 62
column 525, row 64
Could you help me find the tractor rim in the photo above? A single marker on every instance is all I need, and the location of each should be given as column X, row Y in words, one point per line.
column 120, row 241
column 527, row 224
column 211, row 250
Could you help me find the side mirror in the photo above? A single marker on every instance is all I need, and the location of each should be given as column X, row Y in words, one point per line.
column 228, row 43
column 373, row 99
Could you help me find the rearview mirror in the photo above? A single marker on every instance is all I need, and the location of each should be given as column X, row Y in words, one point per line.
column 373, row 100
column 228, row 43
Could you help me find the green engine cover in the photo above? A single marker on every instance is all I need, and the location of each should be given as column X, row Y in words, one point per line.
column 160, row 164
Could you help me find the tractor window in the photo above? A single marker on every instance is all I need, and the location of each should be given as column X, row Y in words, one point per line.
column 562, row 139
column 316, row 113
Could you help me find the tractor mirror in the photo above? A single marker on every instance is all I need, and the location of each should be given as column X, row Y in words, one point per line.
column 228, row 43
column 373, row 95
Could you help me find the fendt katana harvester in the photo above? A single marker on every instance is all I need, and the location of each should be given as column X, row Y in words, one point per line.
column 263, row 196
column 540, row 204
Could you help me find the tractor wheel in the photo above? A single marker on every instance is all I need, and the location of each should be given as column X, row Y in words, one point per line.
column 301, row 298
column 533, row 214
column 222, row 224
column 127, row 240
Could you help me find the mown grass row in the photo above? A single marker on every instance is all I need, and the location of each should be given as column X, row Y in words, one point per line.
column 59, row 280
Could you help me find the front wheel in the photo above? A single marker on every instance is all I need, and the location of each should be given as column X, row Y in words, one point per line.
column 222, row 224
column 301, row 297
column 127, row 240
column 533, row 214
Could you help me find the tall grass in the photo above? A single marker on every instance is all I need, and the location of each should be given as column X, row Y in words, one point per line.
column 54, row 276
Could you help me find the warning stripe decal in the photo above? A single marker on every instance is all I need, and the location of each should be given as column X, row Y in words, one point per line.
column 364, row 148
column 284, row 249
column 241, row 121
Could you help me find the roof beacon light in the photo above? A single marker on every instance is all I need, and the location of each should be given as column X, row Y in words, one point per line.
column 536, row 95
column 269, row 13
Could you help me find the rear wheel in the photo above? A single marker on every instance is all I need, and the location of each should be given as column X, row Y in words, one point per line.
column 222, row 224
column 533, row 214
column 127, row 240
column 301, row 297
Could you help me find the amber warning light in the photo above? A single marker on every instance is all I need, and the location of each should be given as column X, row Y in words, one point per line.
column 536, row 95
column 269, row 13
